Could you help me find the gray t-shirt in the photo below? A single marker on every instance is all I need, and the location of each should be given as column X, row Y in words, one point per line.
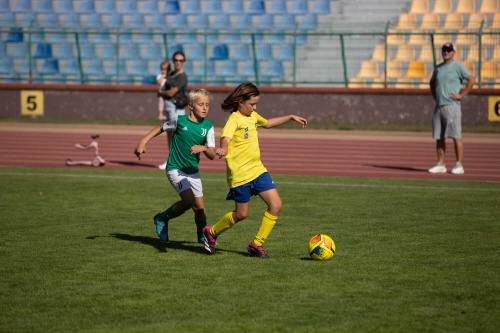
column 448, row 79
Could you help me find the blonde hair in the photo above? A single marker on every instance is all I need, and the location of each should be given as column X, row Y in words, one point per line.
column 196, row 94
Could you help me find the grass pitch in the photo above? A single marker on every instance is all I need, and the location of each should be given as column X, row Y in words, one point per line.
column 79, row 253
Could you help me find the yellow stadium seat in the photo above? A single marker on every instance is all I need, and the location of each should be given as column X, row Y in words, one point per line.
column 369, row 70
column 495, row 23
column 489, row 70
column 396, row 39
column 416, row 70
column 407, row 21
column 417, row 39
column 442, row 7
column 475, row 20
column 465, row 40
column 466, row 6
column 394, row 70
column 426, row 54
column 405, row 53
column 493, row 39
column 441, row 39
column 430, row 21
column 453, row 21
column 496, row 53
column 471, row 66
column 473, row 54
column 419, row 7
column 489, row 6
column 379, row 53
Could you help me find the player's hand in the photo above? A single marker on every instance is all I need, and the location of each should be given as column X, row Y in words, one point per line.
column 300, row 120
column 455, row 96
column 197, row 149
column 221, row 152
column 139, row 150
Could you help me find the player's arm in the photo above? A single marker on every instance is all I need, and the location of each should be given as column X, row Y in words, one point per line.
column 432, row 85
column 208, row 151
column 141, row 147
column 273, row 122
column 224, row 144
column 464, row 91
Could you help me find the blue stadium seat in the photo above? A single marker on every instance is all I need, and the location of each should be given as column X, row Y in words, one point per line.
column 93, row 20
column 71, row 20
column 51, row 20
column 232, row 38
column 150, row 7
column 172, row 8
column 65, row 51
column 242, row 52
column 275, row 69
column 102, row 38
column 7, row 20
column 43, row 51
column 157, row 21
column 131, row 51
column 322, row 7
column 220, row 52
column 276, row 38
column 108, row 7
column 95, row 67
column 4, row 6
column 193, row 7
column 278, row 7
column 257, row 7
column 174, row 48
column 139, row 68
column 287, row 22
column 309, row 22
column 136, row 20
column 300, row 7
column 214, row 7
column 45, row 6
column 87, row 50
column 70, row 67
column 266, row 21
column 15, row 35
column 26, row 66
column 243, row 22
column 286, row 52
column 154, row 52
column 115, row 20
column 129, row 7
column 3, row 50
column 180, row 22
column 264, row 52
column 196, row 52
column 6, row 66
column 50, row 66
column 38, row 37
column 87, row 7
column 249, row 69
column 23, row 6
column 28, row 20
column 65, row 7
column 236, row 7
column 222, row 21
column 200, row 22
column 109, row 51
column 20, row 50
column 229, row 68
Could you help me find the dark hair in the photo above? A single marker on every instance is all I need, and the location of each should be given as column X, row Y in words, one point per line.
column 177, row 53
column 165, row 63
column 241, row 93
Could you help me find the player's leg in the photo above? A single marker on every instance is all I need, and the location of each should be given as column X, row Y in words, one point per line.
column 456, row 134
column 200, row 217
column 438, row 132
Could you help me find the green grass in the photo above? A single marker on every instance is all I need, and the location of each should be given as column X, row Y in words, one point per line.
column 78, row 253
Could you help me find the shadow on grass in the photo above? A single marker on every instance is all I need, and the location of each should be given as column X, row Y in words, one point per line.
column 134, row 164
column 395, row 167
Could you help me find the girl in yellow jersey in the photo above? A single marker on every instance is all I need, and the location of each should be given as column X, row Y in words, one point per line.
column 246, row 175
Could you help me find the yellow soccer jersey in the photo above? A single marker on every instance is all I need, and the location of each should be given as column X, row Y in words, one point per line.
column 243, row 156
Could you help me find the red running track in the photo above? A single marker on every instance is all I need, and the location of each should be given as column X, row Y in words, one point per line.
column 399, row 155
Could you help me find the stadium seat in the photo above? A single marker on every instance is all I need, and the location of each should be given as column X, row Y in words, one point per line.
column 286, row 52
column 115, row 20
column 393, row 39
column 466, row 6
column 45, row 6
column 265, row 21
column 43, row 51
column 275, row 69
column 222, row 21
column 264, row 52
column 419, row 7
column 173, row 49
column 495, row 23
column 50, row 66
column 453, row 21
column 407, row 21
column 129, row 7
column 489, row 6
column 139, row 68
column 490, row 38
column 135, row 21
column 430, row 21
column 496, row 53
column 196, row 52
column 65, row 7
column 15, row 35
column 150, row 7
column 87, row 50
column 299, row 7
column 277, row 38
column 108, row 7
column 394, row 70
column 242, row 52
column 442, row 7
column 465, row 40
column 278, row 7
column 369, row 70
column 220, row 52
column 95, row 67
column 257, row 7
column 473, row 54
column 23, row 6
column 93, row 20
column 131, row 51
column 490, row 70
column 86, row 7
column 322, row 7
column 310, row 22
column 229, row 68
column 6, row 65
column 70, row 67
column 50, row 20
column 471, row 66
column 426, row 54
column 26, row 66
column 28, row 20
column 243, row 22
column 4, row 6
column 200, row 22
column 110, row 51
column 379, row 53
column 416, row 70
column 172, row 8
column 214, row 7
column 416, row 39
column 7, row 20
column 193, row 7
column 236, row 7
column 405, row 53
column 286, row 22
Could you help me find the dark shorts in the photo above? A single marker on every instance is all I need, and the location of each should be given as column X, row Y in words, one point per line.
column 244, row 192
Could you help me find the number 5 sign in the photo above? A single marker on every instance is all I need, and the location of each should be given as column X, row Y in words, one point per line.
column 31, row 103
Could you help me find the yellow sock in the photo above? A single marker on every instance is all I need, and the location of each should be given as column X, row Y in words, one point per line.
column 225, row 223
column 267, row 224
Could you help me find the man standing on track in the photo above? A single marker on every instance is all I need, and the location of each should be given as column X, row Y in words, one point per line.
column 445, row 84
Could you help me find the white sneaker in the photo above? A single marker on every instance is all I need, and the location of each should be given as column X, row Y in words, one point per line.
column 438, row 169
column 458, row 169
column 162, row 166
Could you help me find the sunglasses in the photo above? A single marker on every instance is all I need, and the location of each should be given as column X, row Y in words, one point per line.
column 179, row 60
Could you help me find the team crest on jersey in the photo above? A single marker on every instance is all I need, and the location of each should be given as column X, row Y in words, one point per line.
column 203, row 132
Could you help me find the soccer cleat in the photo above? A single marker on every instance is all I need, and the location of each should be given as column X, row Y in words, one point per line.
column 458, row 169
column 162, row 166
column 257, row 251
column 161, row 228
column 438, row 169
column 199, row 231
column 209, row 240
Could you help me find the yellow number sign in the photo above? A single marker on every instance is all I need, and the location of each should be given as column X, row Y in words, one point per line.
column 31, row 103
column 494, row 108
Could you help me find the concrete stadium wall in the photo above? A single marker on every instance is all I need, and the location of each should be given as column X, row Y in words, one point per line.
column 318, row 105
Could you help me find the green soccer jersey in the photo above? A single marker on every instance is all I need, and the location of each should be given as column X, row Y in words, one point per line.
column 187, row 134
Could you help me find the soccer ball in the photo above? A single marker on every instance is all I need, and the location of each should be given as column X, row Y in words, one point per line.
column 321, row 247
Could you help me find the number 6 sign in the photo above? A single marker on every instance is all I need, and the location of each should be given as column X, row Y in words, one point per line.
column 31, row 103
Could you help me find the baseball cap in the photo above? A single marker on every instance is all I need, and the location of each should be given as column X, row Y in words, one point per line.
column 448, row 47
